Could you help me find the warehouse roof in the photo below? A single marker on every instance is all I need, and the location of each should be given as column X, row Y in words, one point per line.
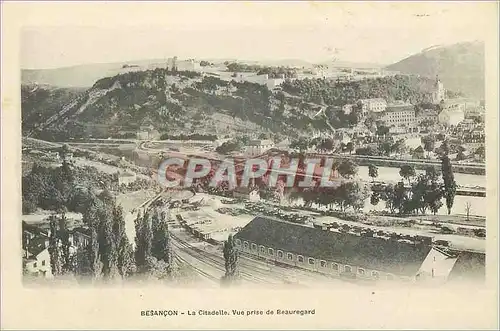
column 368, row 252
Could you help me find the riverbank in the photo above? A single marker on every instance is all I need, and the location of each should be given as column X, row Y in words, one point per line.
column 469, row 169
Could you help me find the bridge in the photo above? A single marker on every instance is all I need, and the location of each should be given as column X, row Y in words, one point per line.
column 461, row 190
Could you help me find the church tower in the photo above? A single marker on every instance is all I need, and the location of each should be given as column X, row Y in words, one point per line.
column 439, row 93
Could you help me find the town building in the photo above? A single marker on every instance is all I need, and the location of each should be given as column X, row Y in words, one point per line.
column 439, row 93
column 258, row 147
column 427, row 116
column 80, row 237
column 376, row 105
column 247, row 193
column 467, row 124
column 349, row 255
column 36, row 257
column 183, row 65
column 347, row 109
column 400, row 119
column 451, row 116
column 30, row 232
column 475, row 112
column 262, row 79
column 126, row 177
column 35, row 243
column 462, row 103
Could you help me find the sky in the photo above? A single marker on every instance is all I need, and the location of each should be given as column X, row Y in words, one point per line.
column 380, row 33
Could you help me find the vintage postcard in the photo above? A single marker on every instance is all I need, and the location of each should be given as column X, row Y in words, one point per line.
column 249, row 165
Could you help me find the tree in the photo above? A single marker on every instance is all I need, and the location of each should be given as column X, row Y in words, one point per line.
column 399, row 147
column 124, row 260
column 418, row 153
column 231, row 260
column 63, row 234
column 382, row 130
column 426, row 193
column 54, row 248
column 385, row 148
column 407, row 172
column 468, row 206
column 373, row 171
column 161, row 249
column 400, row 197
column 435, row 206
column 349, row 194
column 444, row 148
column 429, row 144
column 389, row 196
column 109, row 252
column 93, row 255
column 347, row 169
column 432, row 173
column 143, row 241
column 480, row 152
column 460, row 156
column 349, row 147
column 450, row 186
column 326, row 144
column 375, row 198
column 301, row 144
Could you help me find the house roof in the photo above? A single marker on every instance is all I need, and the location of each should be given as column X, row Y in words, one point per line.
column 373, row 100
column 37, row 245
column 469, row 265
column 368, row 252
column 260, row 142
column 35, row 229
column 394, row 108
column 81, row 230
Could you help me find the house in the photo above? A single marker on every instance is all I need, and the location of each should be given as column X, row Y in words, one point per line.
column 53, row 155
column 437, row 266
column 347, row 109
column 147, row 131
column 126, row 177
column 475, row 112
column 467, row 124
column 80, row 237
column 258, row 147
column 348, row 255
column 451, row 116
column 427, row 116
column 36, row 257
column 418, row 153
column 376, row 105
column 31, row 231
column 401, row 118
column 246, row 193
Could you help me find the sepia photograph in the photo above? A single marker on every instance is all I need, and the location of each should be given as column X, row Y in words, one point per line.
column 238, row 146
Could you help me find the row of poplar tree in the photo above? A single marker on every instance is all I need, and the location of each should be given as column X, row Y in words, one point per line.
column 109, row 254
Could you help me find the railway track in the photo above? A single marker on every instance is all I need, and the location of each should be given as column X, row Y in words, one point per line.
column 218, row 263
column 196, row 269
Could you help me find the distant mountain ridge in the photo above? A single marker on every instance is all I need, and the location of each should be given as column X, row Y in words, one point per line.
column 459, row 66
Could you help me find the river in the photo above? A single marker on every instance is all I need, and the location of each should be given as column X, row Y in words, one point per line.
column 387, row 174
column 478, row 204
